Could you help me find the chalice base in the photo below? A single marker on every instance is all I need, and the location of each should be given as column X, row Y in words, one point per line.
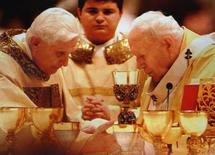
column 160, row 147
column 197, row 145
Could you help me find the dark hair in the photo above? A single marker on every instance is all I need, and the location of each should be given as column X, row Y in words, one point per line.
column 118, row 2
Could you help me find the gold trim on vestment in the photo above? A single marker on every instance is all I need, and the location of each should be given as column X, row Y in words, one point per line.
column 91, row 91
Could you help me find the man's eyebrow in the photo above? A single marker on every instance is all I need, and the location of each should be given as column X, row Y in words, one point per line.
column 91, row 8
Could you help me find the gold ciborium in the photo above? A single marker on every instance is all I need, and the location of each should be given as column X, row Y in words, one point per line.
column 127, row 137
column 127, row 87
column 157, row 124
column 194, row 123
column 11, row 122
column 66, row 133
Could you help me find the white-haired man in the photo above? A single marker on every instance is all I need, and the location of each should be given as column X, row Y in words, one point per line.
column 29, row 60
column 29, row 63
column 171, row 55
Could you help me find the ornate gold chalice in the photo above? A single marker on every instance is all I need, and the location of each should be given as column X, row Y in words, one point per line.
column 157, row 124
column 127, row 87
column 66, row 133
column 11, row 122
column 194, row 123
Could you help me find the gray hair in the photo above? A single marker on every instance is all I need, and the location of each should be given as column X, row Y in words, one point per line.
column 54, row 24
column 158, row 25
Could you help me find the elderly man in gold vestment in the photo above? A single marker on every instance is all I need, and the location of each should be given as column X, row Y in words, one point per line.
column 29, row 60
column 172, row 56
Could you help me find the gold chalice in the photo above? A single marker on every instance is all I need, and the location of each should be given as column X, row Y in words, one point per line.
column 127, row 87
column 43, row 120
column 126, row 136
column 157, row 124
column 11, row 122
column 66, row 133
column 194, row 123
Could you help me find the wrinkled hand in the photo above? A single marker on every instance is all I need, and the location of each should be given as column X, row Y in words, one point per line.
column 94, row 107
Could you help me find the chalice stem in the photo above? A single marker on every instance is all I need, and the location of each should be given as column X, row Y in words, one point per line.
column 161, row 148
column 10, row 139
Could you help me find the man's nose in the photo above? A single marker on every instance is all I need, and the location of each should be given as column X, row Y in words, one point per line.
column 100, row 18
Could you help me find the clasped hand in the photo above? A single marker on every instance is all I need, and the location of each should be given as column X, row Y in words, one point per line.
column 94, row 107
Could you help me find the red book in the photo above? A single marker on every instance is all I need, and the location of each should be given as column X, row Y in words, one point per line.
column 189, row 100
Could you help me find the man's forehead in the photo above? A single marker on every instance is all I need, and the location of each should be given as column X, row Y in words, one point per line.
column 96, row 2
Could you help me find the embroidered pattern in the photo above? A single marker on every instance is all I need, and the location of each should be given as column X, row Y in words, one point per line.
column 44, row 96
column 118, row 52
column 83, row 53
column 10, row 47
column 206, row 101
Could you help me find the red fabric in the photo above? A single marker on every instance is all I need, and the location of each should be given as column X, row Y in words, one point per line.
column 189, row 100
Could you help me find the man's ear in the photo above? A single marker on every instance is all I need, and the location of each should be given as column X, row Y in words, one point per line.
column 34, row 41
column 169, row 43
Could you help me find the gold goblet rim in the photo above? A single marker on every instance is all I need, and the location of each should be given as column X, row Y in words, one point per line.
column 157, row 111
column 45, row 108
column 12, row 108
column 192, row 112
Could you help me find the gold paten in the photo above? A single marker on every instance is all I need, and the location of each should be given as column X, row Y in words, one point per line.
column 118, row 53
